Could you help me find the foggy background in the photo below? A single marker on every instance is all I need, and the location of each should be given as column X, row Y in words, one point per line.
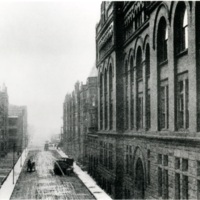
column 45, row 47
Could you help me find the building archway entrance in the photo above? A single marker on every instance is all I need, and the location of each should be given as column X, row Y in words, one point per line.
column 139, row 180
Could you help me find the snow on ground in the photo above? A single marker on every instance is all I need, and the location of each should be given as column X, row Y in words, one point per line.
column 43, row 183
column 8, row 186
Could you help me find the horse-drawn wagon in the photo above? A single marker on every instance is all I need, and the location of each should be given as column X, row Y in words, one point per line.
column 63, row 166
column 30, row 166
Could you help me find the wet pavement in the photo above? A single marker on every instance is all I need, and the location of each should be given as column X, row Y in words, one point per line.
column 44, row 184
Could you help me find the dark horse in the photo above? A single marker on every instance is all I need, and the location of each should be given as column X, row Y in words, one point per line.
column 30, row 166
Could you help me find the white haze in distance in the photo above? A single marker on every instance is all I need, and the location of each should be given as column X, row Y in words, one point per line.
column 45, row 47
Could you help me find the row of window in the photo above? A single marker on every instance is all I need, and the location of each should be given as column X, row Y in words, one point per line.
column 181, row 177
column 181, row 167
column 106, row 99
column 134, row 110
column 136, row 85
column 182, row 101
column 106, row 155
column 135, row 23
column 106, row 185
column 182, row 83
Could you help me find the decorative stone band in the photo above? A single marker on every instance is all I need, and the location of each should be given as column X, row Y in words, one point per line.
column 106, row 36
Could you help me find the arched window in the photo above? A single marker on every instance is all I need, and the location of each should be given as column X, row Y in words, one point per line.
column 162, row 41
column 106, row 99
column 101, row 101
column 111, row 97
column 132, row 91
column 126, row 95
column 147, row 60
column 148, row 104
column 139, row 88
column 181, row 28
column 139, row 63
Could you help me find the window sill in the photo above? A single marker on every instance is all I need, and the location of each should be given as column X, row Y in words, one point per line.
column 163, row 63
column 141, row 130
column 139, row 79
column 182, row 130
column 182, row 53
column 164, row 129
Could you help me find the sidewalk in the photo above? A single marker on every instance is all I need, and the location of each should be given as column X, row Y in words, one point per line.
column 6, row 165
column 89, row 182
column 11, row 177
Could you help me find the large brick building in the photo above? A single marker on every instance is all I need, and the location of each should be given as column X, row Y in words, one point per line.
column 147, row 144
column 80, row 117
column 148, row 60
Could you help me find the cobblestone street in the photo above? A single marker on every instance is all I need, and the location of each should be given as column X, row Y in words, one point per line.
column 44, row 184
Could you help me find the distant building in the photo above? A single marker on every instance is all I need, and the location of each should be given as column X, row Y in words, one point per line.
column 56, row 138
column 18, row 136
column 13, row 131
column 80, row 117
column 3, row 121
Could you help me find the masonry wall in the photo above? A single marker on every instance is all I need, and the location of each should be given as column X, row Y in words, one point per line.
column 176, row 148
column 143, row 148
column 137, row 147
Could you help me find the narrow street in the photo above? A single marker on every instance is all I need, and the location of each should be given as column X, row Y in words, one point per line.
column 44, row 184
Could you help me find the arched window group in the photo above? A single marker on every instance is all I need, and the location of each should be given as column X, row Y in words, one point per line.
column 180, row 31
column 136, row 92
column 106, row 99
column 137, row 114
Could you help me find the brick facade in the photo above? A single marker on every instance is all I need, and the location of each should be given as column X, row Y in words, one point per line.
column 152, row 48
column 147, row 144
column 80, row 119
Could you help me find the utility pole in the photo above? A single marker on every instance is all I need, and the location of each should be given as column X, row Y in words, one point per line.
column 21, row 158
column 13, row 163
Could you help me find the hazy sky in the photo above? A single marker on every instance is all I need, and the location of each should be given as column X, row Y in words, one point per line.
column 45, row 47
